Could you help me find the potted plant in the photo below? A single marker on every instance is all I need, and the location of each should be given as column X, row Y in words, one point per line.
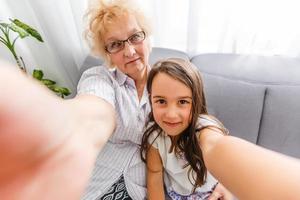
column 23, row 30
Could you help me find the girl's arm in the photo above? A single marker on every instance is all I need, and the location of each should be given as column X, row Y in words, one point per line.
column 220, row 192
column 250, row 171
column 155, row 185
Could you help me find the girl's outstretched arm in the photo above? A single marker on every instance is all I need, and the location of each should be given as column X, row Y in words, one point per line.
column 250, row 171
column 47, row 145
column 220, row 192
column 155, row 184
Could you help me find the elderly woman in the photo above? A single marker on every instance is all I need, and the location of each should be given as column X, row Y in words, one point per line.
column 119, row 33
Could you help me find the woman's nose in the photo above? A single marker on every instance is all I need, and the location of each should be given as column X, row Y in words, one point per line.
column 129, row 50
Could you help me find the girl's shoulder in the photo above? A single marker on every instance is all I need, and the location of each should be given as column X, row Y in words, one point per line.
column 155, row 138
column 206, row 121
column 156, row 134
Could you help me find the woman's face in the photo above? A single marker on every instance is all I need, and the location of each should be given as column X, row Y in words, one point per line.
column 133, row 58
column 171, row 104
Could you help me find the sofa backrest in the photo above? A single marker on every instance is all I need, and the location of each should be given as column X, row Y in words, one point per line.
column 256, row 97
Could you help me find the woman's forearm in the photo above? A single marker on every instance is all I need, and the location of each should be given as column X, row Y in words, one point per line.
column 95, row 116
column 46, row 141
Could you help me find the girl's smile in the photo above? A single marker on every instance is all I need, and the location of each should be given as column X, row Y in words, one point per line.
column 172, row 124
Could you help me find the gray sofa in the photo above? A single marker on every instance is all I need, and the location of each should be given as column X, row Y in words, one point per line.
column 256, row 97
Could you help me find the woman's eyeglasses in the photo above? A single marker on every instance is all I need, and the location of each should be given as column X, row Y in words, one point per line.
column 116, row 46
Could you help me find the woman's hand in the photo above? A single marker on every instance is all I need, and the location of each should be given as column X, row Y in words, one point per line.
column 48, row 146
column 220, row 192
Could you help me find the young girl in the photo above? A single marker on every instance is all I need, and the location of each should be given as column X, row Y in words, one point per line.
column 170, row 145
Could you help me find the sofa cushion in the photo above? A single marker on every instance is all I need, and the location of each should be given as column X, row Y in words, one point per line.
column 251, row 68
column 163, row 53
column 280, row 126
column 236, row 103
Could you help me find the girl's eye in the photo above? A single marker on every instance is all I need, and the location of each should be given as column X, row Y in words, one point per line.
column 183, row 102
column 160, row 101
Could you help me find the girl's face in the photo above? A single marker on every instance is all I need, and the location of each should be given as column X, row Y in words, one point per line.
column 171, row 104
column 133, row 58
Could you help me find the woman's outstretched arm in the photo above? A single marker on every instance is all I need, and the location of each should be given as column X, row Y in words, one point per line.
column 250, row 171
column 47, row 145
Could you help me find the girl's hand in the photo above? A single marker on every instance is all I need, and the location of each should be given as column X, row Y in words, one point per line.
column 220, row 192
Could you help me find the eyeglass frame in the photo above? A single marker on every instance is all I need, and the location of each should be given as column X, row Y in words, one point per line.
column 127, row 40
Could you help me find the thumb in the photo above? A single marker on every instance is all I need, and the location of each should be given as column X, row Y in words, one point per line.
column 215, row 196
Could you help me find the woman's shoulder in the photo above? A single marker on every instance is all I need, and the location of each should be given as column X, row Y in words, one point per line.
column 97, row 70
column 97, row 74
column 98, row 81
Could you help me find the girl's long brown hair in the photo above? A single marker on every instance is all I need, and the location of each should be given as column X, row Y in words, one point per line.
column 187, row 142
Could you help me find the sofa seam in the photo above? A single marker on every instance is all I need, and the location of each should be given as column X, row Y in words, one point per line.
column 261, row 116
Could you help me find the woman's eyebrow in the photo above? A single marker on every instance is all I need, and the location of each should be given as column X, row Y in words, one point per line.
column 114, row 38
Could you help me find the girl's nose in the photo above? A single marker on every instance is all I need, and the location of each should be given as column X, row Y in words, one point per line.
column 171, row 112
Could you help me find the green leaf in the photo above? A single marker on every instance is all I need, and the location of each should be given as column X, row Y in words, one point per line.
column 37, row 74
column 61, row 91
column 22, row 33
column 54, row 88
column 28, row 29
column 64, row 91
column 48, row 82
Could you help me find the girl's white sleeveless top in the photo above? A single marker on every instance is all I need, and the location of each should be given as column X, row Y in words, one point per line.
column 175, row 175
